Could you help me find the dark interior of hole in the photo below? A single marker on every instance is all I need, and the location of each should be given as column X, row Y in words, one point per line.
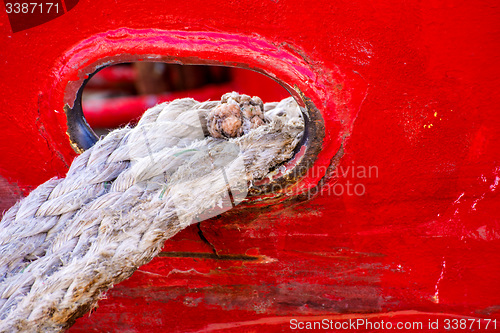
column 247, row 82
column 117, row 95
column 118, row 88
column 152, row 78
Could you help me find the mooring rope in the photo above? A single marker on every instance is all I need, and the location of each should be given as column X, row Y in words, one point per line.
column 73, row 238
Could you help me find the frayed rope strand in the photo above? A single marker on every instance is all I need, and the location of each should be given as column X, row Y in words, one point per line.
column 73, row 238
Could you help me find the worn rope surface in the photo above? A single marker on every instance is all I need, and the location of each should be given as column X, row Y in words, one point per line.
column 72, row 239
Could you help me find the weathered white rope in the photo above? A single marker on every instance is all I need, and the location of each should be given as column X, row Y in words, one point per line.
column 72, row 239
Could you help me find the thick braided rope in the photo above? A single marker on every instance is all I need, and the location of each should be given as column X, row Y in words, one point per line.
column 72, row 239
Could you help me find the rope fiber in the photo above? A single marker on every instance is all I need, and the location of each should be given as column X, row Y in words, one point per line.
column 71, row 239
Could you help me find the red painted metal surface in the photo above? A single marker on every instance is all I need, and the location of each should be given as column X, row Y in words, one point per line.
column 408, row 89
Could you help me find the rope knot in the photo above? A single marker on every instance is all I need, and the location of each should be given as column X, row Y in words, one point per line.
column 236, row 115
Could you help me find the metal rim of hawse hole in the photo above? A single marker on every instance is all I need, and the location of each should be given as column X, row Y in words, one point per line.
column 82, row 137
column 305, row 154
